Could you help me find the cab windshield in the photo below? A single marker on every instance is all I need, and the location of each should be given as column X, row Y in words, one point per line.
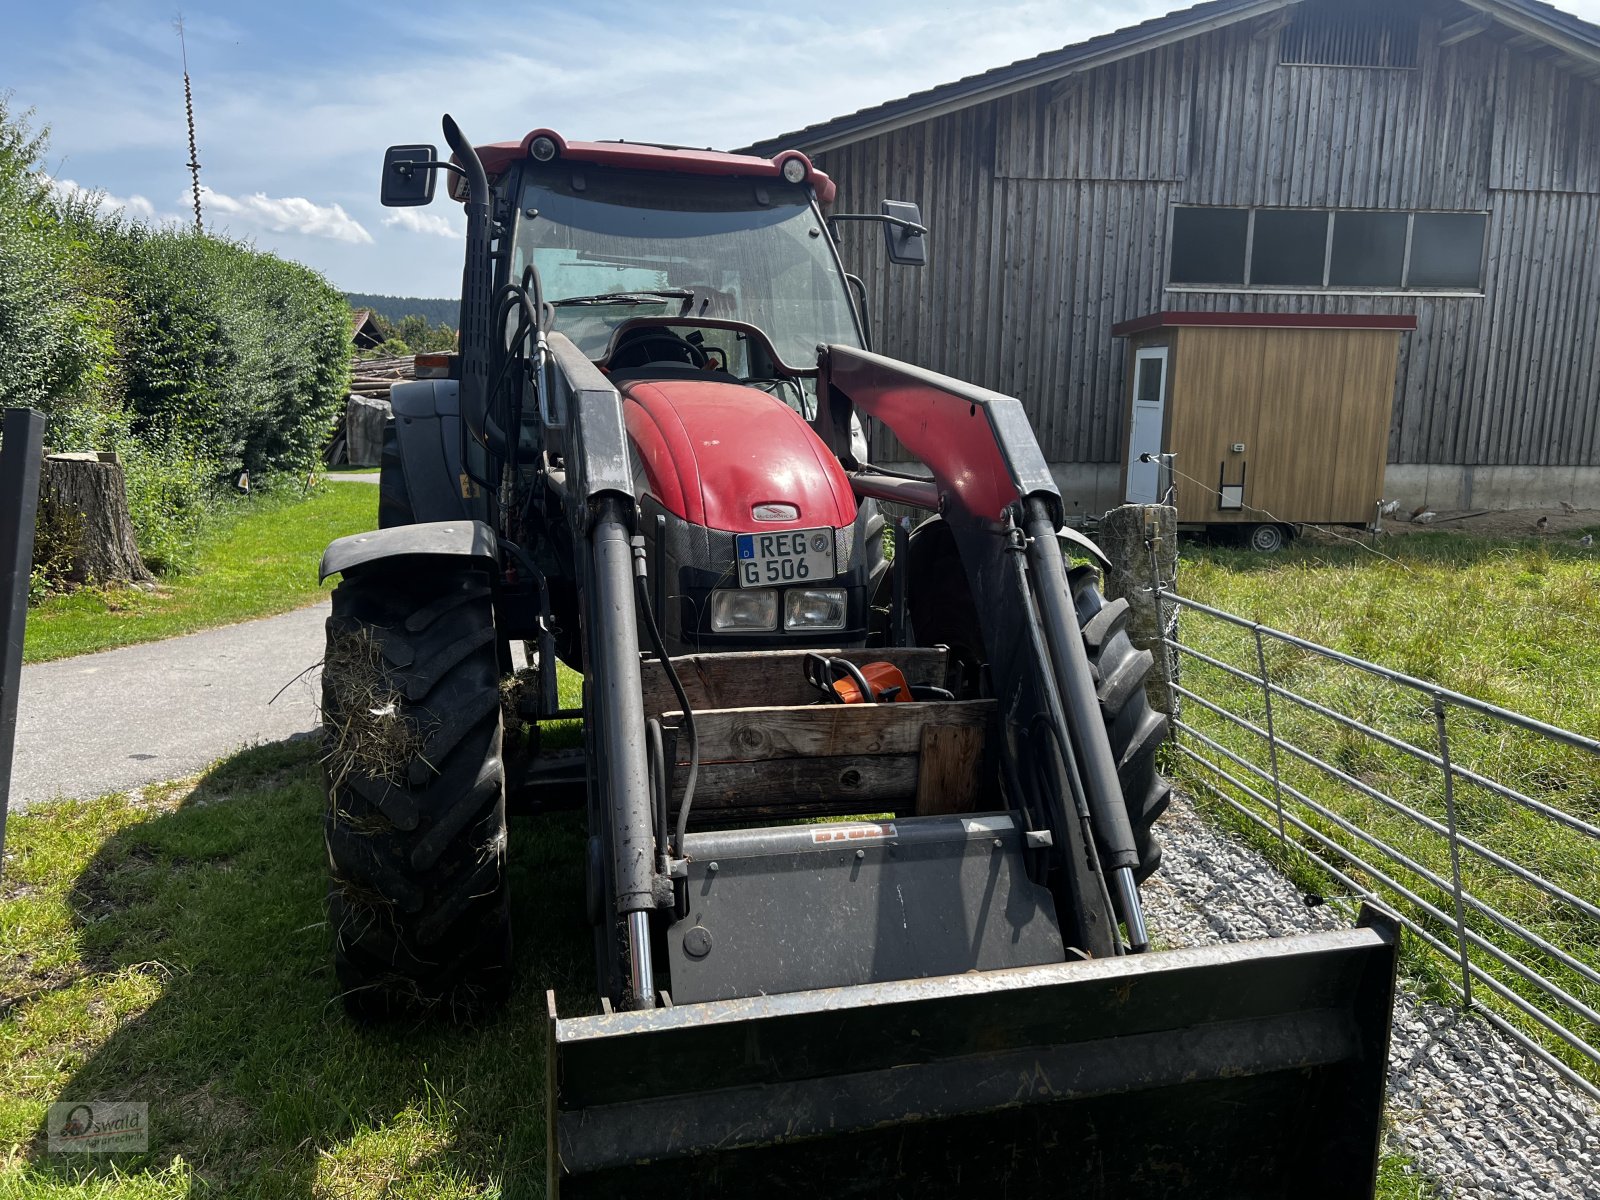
column 614, row 245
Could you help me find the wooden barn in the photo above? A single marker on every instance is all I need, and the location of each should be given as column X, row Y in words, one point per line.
column 1437, row 160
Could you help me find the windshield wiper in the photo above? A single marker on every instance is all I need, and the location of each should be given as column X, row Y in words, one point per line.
column 639, row 297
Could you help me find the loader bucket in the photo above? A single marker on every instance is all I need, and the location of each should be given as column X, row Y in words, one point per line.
column 1244, row 1070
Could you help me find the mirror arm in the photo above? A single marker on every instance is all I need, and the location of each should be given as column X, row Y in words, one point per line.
column 405, row 166
column 911, row 227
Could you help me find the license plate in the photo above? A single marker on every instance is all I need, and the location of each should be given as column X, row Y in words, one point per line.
column 793, row 556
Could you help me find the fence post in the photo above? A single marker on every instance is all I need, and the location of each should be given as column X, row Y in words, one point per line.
column 1141, row 541
column 1455, row 845
column 1272, row 735
column 21, row 439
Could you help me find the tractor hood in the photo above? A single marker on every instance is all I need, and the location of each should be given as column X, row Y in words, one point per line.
column 716, row 453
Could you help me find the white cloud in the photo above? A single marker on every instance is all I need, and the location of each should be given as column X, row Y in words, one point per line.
column 134, row 207
column 287, row 214
column 421, row 222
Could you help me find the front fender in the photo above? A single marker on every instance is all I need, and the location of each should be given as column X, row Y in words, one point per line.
column 433, row 539
column 1071, row 539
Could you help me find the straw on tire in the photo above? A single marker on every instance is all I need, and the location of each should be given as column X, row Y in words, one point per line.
column 415, row 824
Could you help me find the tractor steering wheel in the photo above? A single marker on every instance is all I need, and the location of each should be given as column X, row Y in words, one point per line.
column 680, row 350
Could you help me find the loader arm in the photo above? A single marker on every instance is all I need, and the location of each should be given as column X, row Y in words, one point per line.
column 602, row 518
column 991, row 483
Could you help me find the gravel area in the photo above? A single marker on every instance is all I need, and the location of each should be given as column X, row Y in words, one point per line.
column 1478, row 1114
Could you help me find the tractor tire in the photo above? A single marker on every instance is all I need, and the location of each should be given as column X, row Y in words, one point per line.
column 394, row 497
column 943, row 613
column 940, row 603
column 415, row 825
column 1136, row 730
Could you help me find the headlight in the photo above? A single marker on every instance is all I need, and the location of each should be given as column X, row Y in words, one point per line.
column 755, row 609
column 814, row 608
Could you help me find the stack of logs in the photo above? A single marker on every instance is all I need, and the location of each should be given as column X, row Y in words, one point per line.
column 372, row 378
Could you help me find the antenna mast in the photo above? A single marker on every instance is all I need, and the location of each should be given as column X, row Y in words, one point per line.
column 188, row 108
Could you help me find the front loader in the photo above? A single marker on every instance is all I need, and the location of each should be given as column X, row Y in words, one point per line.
column 868, row 803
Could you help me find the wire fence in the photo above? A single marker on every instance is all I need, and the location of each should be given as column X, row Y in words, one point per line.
column 1479, row 826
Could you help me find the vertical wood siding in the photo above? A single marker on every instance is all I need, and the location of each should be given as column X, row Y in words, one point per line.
column 1049, row 212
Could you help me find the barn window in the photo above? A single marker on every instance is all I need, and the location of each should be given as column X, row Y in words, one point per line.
column 1447, row 250
column 1351, row 33
column 1209, row 245
column 1310, row 249
column 1290, row 248
column 1369, row 250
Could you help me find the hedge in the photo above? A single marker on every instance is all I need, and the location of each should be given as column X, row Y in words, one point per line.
column 193, row 356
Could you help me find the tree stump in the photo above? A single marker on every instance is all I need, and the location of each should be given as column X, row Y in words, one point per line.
column 83, row 518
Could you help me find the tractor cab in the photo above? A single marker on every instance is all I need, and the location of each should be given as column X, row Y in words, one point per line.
column 703, row 287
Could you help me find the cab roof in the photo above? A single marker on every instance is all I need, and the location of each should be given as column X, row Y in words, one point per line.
column 641, row 156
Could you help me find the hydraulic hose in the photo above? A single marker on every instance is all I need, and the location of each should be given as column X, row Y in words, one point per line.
column 642, row 592
column 661, row 781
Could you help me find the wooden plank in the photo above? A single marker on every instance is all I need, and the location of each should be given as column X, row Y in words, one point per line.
column 771, row 677
column 794, row 787
column 948, row 776
column 1471, row 27
column 826, row 730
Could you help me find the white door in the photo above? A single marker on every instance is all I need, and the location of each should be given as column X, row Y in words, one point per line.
column 1144, row 437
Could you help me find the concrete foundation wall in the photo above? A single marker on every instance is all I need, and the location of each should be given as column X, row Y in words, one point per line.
column 1092, row 489
column 1497, row 488
column 1088, row 489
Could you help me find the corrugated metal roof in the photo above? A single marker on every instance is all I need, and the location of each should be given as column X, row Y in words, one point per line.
column 1575, row 37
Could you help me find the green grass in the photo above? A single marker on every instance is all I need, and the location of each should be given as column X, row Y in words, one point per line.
column 1514, row 623
column 1400, row 1177
column 260, row 559
column 172, row 949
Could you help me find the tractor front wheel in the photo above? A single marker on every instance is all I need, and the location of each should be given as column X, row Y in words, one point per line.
column 1136, row 730
column 943, row 613
column 415, row 824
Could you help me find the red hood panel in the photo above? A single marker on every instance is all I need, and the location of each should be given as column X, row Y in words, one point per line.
column 713, row 451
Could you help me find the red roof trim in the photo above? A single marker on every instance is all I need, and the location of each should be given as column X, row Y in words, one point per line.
column 636, row 156
column 1257, row 320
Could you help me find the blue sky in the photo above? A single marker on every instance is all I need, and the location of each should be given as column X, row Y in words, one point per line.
column 295, row 101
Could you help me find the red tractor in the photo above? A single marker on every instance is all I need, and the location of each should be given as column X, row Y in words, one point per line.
column 868, row 806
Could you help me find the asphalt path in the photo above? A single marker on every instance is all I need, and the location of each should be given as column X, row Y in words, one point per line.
column 123, row 718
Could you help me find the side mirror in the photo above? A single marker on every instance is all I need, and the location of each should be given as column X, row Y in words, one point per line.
column 408, row 176
column 904, row 236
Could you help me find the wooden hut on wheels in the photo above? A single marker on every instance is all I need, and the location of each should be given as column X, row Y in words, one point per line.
column 1431, row 161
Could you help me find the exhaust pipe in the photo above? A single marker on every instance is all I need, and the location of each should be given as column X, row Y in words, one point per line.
column 477, row 283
